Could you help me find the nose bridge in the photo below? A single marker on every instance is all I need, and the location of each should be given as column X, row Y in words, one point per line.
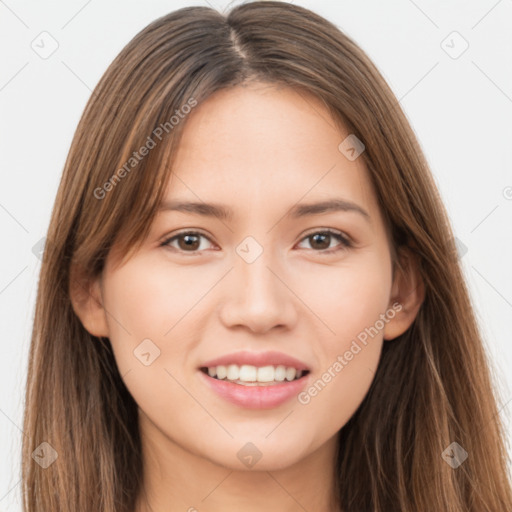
column 253, row 272
column 256, row 296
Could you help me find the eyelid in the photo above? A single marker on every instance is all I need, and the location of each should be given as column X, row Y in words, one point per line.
column 331, row 231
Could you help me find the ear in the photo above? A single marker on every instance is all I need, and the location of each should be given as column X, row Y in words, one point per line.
column 87, row 302
column 408, row 290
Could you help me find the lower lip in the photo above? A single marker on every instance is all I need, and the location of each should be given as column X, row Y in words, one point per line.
column 255, row 397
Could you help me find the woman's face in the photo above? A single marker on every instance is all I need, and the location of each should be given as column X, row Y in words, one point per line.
column 259, row 284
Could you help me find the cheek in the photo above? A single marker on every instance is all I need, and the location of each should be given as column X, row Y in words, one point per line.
column 143, row 305
column 335, row 394
column 348, row 299
column 149, row 300
column 150, row 316
column 350, row 348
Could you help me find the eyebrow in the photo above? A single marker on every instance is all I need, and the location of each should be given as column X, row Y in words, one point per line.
column 222, row 212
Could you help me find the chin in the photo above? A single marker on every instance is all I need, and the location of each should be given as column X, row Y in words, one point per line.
column 263, row 455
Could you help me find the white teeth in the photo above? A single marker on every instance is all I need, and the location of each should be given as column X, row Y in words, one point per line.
column 221, row 372
column 280, row 373
column 249, row 373
column 233, row 372
column 290, row 373
column 266, row 374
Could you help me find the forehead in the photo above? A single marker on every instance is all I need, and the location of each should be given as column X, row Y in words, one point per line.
column 265, row 146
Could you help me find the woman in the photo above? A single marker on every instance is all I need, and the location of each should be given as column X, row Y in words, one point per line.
column 193, row 348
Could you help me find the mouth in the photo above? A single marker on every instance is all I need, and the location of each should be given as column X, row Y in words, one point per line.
column 249, row 375
column 252, row 387
column 255, row 380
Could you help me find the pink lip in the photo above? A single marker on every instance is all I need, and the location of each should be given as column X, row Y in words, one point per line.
column 259, row 359
column 255, row 397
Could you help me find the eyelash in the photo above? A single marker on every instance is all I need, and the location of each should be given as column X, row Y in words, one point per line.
column 346, row 243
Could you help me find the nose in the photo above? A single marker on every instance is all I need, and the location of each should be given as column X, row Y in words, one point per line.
column 258, row 297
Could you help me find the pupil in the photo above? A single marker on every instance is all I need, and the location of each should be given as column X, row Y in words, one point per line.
column 190, row 241
column 324, row 236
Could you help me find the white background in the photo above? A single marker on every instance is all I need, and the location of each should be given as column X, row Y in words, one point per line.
column 459, row 108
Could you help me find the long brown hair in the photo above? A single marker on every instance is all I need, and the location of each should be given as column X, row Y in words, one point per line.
column 433, row 386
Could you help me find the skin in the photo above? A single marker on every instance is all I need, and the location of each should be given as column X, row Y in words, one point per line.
column 258, row 149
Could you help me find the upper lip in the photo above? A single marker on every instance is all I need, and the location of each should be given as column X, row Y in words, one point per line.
column 269, row 358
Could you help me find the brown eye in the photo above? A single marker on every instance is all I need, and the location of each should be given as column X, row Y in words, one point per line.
column 187, row 241
column 321, row 241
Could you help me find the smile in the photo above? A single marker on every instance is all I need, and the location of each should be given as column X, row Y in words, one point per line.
column 245, row 389
column 250, row 375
